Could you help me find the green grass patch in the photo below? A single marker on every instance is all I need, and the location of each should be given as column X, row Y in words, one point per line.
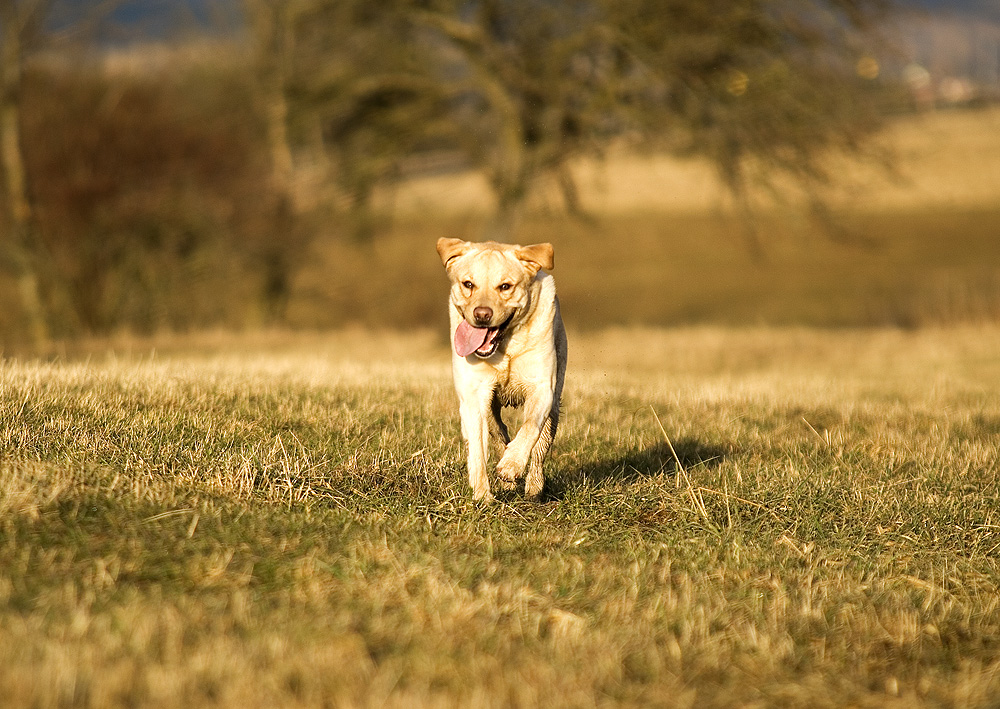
column 732, row 517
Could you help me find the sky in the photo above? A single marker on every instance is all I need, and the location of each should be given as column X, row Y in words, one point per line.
column 137, row 20
column 984, row 8
column 157, row 16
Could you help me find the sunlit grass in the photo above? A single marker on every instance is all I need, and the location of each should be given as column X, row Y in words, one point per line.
column 779, row 517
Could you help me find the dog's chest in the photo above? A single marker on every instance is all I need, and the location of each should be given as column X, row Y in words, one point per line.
column 511, row 389
column 511, row 394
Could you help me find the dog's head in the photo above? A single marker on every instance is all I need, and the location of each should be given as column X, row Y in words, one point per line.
column 490, row 288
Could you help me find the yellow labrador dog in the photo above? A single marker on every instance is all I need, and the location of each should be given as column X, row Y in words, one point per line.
column 509, row 349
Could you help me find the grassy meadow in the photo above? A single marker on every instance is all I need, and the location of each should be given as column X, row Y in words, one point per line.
column 742, row 509
column 733, row 517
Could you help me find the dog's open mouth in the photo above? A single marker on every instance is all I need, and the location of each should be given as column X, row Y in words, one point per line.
column 481, row 341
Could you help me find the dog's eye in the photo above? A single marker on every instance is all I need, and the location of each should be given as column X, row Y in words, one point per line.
column 504, row 287
column 468, row 285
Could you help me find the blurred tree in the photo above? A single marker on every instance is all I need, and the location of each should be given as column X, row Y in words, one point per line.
column 363, row 88
column 20, row 30
column 343, row 88
column 26, row 28
column 345, row 78
column 531, row 90
column 151, row 192
column 762, row 88
column 749, row 84
column 273, row 24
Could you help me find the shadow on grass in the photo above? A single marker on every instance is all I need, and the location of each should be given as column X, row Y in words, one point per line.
column 648, row 462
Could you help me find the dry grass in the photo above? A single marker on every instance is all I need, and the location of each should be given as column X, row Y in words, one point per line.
column 270, row 526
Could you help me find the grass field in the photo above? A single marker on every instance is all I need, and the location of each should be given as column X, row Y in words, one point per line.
column 734, row 517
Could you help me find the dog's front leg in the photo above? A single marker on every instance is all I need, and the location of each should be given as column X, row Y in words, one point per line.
column 537, row 409
column 474, row 411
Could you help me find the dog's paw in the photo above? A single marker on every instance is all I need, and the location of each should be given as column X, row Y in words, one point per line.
column 533, row 490
column 509, row 469
column 482, row 495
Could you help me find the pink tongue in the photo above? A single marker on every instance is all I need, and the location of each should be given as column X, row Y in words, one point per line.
column 468, row 339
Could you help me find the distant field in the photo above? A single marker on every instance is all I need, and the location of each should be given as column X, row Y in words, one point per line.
column 911, row 268
column 921, row 247
column 947, row 159
column 262, row 523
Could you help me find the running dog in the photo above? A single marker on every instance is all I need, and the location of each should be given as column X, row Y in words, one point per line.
column 509, row 349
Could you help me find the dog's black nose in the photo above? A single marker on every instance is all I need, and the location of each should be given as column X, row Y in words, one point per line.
column 483, row 314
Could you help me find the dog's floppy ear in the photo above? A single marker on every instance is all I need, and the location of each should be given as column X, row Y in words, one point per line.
column 536, row 256
column 451, row 248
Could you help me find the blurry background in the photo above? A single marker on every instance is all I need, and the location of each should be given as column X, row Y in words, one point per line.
column 244, row 164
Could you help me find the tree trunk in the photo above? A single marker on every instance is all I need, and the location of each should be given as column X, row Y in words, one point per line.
column 271, row 22
column 18, row 242
column 504, row 224
column 273, row 34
